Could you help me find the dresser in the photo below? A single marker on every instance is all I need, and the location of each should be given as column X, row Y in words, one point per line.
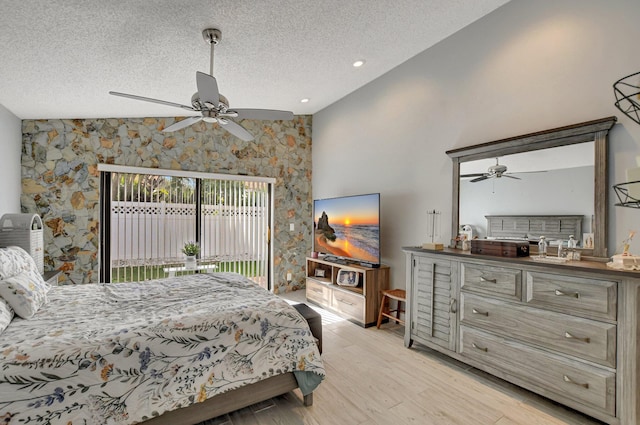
column 566, row 331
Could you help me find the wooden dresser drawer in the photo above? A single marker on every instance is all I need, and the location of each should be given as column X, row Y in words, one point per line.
column 584, row 338
column 496, row 281
column 318, row 292
column 569, row 381
column 575, row 295
column 349, row 304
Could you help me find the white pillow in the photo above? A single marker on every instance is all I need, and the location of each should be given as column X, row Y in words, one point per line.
column 15, row 260
column 24, row 293
column 6, row 314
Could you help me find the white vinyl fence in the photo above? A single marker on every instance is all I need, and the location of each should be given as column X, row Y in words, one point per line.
column 144, row 233
column 152, row 216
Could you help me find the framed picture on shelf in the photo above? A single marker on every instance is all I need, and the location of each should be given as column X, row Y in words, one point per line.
column 587, row 240
column 319, row 273
column 347, row 278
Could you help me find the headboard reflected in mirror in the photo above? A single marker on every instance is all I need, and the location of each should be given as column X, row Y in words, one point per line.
column 587, row 193
column 531, row 227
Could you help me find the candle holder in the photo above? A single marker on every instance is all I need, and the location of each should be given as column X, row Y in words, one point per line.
column 433, row 231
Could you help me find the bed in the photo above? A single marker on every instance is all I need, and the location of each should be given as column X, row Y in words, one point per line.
column 177, row 350
column 531, row 227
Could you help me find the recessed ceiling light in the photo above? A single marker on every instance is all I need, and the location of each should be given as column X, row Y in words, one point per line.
column 305, row 100
column 358, row 63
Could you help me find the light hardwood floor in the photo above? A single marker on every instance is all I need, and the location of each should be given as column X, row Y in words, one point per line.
column 373, row 379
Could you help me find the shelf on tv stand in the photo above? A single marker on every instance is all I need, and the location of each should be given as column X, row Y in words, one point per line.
column 354, row 289
column 360, row 303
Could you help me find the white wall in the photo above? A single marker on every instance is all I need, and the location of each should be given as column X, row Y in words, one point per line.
column 526, row 67
column 11, row 146
column 567, row 191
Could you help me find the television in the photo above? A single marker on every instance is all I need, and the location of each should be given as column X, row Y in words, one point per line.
column 348, row 229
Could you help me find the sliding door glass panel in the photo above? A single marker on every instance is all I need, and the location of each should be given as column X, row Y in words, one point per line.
column 153, row 216
column 235, row 225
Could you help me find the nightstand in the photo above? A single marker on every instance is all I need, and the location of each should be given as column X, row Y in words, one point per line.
column 51, row 277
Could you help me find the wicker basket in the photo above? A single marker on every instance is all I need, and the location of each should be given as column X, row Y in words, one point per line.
column 25, row 231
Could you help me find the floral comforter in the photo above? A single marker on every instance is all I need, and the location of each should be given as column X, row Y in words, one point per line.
column 123, row 353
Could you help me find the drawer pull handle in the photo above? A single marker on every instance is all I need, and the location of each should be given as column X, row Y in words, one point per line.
column 571, row 381
column 483, row 313
column 570, row 336
column 452, row 306
column 560, row 292
column 477, row 347
column 484, row 279
column 345, row 302
column 319, row 291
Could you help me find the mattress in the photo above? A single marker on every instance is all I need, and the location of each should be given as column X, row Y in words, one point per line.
column 126, row 352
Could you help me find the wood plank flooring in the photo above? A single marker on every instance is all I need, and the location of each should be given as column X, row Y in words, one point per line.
column 373, row 379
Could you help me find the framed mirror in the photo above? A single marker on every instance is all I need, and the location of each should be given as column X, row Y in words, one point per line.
column 560, row 172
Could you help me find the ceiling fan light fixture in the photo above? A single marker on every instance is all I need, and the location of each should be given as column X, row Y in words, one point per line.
column 209, row 116
column 212, row 105
column 494, row 171
column 224, row 103
column 229, row 113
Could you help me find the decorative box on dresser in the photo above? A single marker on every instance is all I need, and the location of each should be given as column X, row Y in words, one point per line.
column 359, row 303
column 566, row 331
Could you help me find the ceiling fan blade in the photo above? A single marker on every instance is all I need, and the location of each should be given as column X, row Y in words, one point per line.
column 472, row 175
column 236, row 129
column 182, row 124
column 261, row 114
column 511, row 177
column 207, row 88
column 148, row 99
column 479, row 179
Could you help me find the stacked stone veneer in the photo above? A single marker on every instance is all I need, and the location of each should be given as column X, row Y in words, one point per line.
column 60, row 180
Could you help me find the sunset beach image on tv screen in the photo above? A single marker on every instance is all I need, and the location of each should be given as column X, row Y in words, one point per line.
column 348, row 227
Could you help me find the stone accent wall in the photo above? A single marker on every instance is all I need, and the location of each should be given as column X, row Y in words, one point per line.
column 60, row 181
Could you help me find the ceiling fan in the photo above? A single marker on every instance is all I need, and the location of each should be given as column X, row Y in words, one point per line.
column 494, row 171
column 212, row 105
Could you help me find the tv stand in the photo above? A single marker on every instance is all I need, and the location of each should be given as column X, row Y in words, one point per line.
column 359, row 304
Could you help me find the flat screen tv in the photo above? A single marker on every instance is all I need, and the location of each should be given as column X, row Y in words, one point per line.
column 348, row 228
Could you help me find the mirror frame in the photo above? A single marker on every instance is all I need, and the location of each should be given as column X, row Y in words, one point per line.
column 591, row 131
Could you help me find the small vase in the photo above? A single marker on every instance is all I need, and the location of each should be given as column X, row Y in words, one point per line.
column 190, row 262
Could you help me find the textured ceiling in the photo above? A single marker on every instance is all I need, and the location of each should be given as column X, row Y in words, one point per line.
column 60, row 58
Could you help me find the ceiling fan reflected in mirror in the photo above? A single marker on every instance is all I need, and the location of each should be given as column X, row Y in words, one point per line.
column 494, row 171
column 211, row 104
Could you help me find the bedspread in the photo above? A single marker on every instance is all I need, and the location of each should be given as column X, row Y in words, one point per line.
column 123, row 353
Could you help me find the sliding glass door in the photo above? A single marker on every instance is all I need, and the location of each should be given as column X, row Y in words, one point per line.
column 147, row 218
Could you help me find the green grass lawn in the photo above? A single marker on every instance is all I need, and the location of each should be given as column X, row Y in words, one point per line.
column 140, row 273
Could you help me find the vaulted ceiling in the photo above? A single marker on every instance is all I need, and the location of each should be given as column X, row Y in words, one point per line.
column 60, row 58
